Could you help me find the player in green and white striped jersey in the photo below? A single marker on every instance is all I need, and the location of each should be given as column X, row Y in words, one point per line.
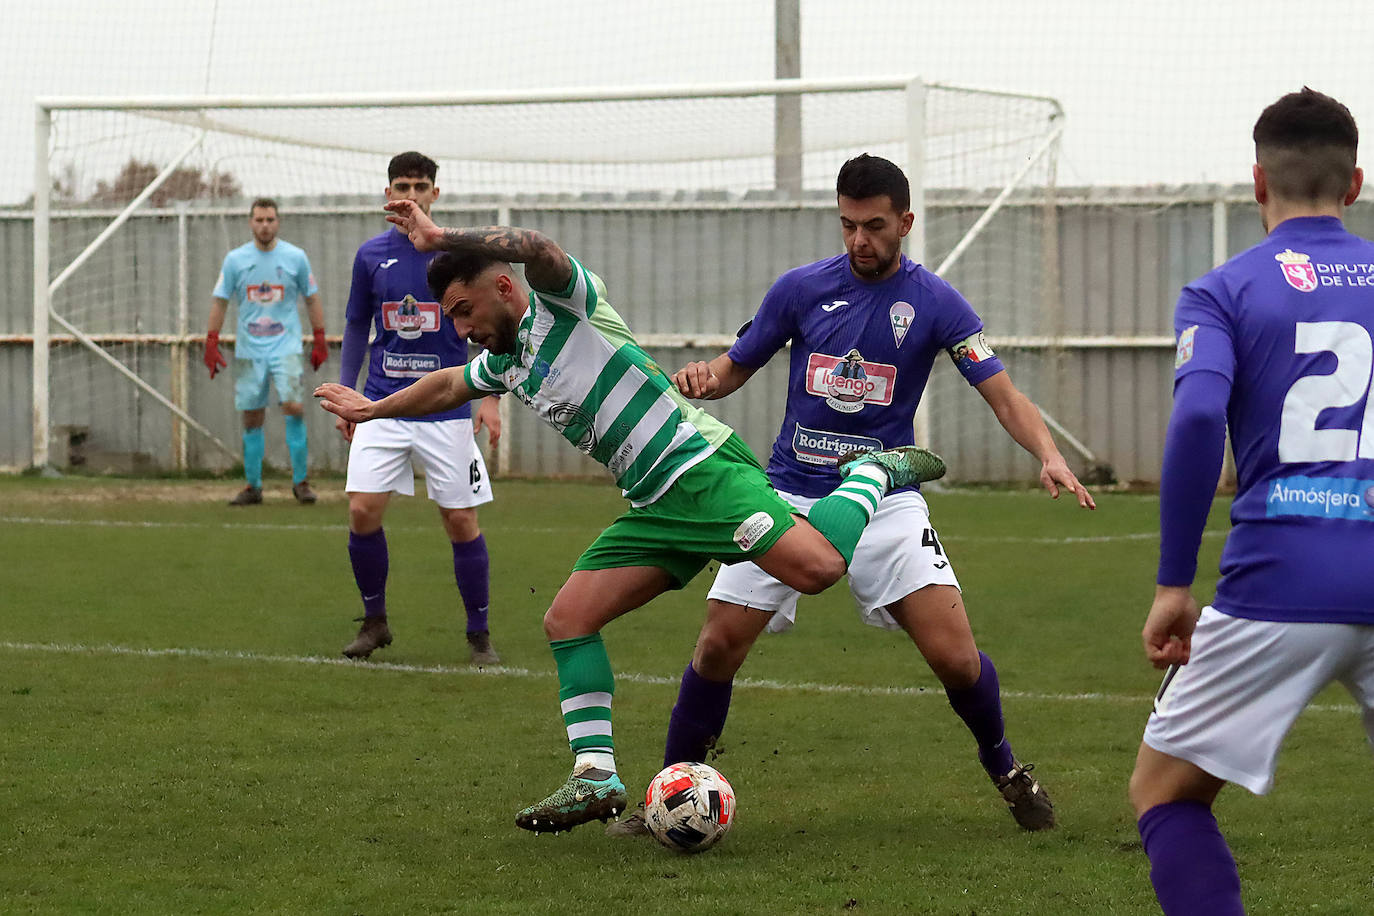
column 696, row 491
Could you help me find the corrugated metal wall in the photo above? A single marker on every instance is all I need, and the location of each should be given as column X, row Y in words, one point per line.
column 692, row 269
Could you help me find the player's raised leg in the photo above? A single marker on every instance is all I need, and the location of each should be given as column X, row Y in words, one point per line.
column 589, row 600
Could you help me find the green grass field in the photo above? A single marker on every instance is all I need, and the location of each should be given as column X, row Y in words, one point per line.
column 181, row 736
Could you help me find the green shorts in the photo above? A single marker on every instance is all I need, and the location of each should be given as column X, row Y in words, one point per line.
column 722, row 509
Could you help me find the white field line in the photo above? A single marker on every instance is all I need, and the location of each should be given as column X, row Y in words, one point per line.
column 340, row 527
column 1141, row 700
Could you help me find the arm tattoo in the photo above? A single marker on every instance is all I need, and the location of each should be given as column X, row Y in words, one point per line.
column 546, row 264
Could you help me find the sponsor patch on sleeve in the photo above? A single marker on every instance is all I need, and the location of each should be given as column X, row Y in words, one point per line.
column 1185, row 346
column 971, row 350
column 753, row 528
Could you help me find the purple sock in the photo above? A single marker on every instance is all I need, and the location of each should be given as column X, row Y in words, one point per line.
column 1191, row 866
column 370, row 563
column 472, row 569
column 980, row 706
column 697, row 719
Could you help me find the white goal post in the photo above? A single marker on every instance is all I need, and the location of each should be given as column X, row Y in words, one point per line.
column 981, row 163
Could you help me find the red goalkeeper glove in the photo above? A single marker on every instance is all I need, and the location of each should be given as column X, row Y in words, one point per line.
column 213, row 360
column 320, row 351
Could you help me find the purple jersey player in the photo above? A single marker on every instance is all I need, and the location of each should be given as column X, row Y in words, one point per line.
column 410, row 339
column 1276, row 344
column 865, row 327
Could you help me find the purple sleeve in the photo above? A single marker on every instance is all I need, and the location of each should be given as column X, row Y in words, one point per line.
column 959, row 332
column 1193, row 448
column 353, row 351
column 769, row 330
column 358, row 317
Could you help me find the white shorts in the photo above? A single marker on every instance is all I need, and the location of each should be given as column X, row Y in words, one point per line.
column 898, row 554
column 1228, row 710
column 379, row 461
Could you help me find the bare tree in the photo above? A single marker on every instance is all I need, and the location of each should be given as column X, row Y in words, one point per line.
column 185, row 183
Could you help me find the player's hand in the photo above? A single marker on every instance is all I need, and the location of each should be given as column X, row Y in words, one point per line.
column 1168, row 632
column 415, row 223
column 1055, row 473
column 345, row 402
column 320, row 351
column 488, row 414
column 214, row 361
column 345, row 428
column 696, row 380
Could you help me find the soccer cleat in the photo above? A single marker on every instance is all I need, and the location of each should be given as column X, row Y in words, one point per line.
column 304, row 495
column 1028, row 801
column 906, row 464
column 373, row 634
column 248, row 496
column 481, row 651
column 632, row 824
column 589, row 794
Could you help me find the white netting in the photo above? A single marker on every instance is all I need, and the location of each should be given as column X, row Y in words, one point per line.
column 704, row 192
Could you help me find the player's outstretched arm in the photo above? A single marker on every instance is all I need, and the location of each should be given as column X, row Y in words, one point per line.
column 441, row 390
column 1168, row 633
column 709, row 381
column 547, row 266
column 1021, row 419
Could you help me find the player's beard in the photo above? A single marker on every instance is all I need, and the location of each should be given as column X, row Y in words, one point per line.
column 505, row 339
column 879, row 267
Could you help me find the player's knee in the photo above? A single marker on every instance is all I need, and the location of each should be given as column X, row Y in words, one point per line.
column 819, row 573
column 1141, row 793
column 363, row 519
column 719, row 653
column 957, row 669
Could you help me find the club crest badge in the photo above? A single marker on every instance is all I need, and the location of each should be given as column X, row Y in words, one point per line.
column 1297, row 270
column 901, row 315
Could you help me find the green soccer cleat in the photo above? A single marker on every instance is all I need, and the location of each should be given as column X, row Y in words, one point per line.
column 905, row 465
column 589, row 794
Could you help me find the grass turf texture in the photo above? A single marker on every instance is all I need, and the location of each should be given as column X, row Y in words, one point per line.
column 245, row 777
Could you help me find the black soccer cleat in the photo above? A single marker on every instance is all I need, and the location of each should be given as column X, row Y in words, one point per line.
column 373, row 634
column 1027, row 800
column 248, row 496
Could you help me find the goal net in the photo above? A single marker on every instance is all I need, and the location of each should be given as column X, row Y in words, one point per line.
column 688, row 200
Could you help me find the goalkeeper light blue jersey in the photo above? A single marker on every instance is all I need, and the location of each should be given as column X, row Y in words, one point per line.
column 579, row 367
column 266, row 286
column 411, row 337
column 861, row 356
column 1290, row 323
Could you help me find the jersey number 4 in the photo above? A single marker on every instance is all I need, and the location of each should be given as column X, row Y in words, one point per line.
column 1299, row 438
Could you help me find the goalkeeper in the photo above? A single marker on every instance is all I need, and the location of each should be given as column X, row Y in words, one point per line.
column 265, row 278
column 866, row 327
column 695, row 490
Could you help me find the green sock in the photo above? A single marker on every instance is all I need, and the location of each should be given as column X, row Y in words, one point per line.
column 842, row 516
column 585, row 687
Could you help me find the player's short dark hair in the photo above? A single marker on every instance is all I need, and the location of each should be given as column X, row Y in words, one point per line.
column 1306, row 143
column 464, row 267
column 867, row 176
column 411, row 164
column 263, row 203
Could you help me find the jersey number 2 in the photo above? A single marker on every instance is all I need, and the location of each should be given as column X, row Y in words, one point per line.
column 1299, row 438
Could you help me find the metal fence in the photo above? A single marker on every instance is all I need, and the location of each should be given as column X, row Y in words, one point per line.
column 1096, row 353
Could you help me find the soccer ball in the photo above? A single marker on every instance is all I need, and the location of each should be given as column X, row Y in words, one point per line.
column 689, row 807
